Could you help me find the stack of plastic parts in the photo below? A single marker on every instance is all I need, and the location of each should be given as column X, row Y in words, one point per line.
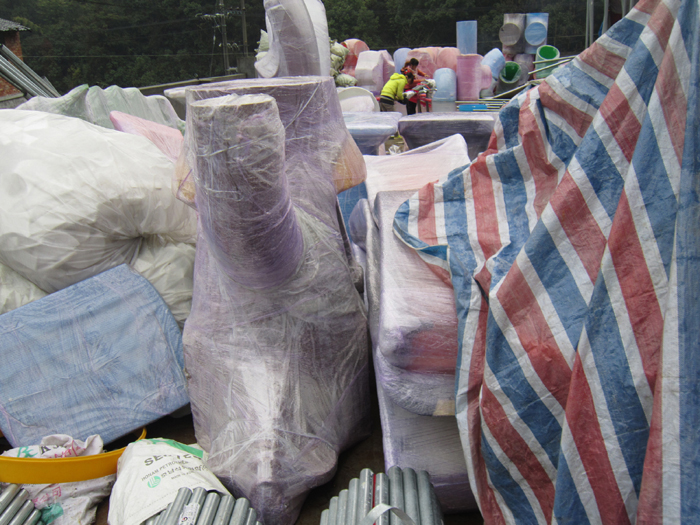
column 212, row 508
column 355, row 47
column 103, row 356
column 356, row 99
column 66, row 214
column 276, row 345
column 573, row 249
column 370, row 498
column 94, row 104
column 476, row 128
column 370, row 130
column 373, row 70
column 17, row 508
column 298, row 38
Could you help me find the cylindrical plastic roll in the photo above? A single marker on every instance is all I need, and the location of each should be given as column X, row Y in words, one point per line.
column 466, row 37
column 546, row 55
column 536, row 25
column 446, row 85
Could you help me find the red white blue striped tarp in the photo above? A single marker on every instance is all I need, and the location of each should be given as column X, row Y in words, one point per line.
column 573, row 245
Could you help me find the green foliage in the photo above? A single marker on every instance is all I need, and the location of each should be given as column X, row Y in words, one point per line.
column 142, row 42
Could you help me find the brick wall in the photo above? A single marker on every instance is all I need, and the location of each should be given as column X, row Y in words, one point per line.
column 11, row 40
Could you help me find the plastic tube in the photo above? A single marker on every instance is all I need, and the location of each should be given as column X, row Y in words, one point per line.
column 8, row 495
column 208, row 512
column 365, row 493
column 410, row 495
column 396, row 492
column 14, row 506
column 381, row 495
column 546, row 56
column 535, row 31
column 23, row 513
column 466, row 37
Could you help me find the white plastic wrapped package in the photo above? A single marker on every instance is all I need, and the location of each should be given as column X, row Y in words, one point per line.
column 298, row 39
column 94, row 104
column 355, row 47
column 370, row 130
column 475, row 127
column 65, row 503
column 103, row 356
column 276, row 344
column 373, row 69
column 427, row 443
column 413, row 318
column 414, row 168
column 15, row 290
column 149, row 474
column 77, row 199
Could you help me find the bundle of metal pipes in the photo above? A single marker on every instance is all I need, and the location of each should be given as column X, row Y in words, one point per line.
column 200, row 507
column 22, row 76
column 407, row 493
column 16, row 508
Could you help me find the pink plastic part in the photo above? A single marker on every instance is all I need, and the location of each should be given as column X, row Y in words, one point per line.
column 472, row 77
column 447, row 57
column 427, row 59
column 355, row 47
column 168, row 140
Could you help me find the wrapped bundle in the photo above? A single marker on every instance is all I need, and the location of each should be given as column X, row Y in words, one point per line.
column 427, row 443
column 369, row 70
column 76, row 367
column 447, row 57
column 427, row 59
column 370, row 130
column 167, row 139
column 298, row 39
column 276, row 345
column 94, row 104
column 65, row 213
column 355, row 47
column 15, row 290
column 422, row 129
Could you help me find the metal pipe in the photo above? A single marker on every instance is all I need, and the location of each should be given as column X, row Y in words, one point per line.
column 381, row 495
column 33, row 518
column 223, row 513
column 28, row 71
column 13, row 507
column 333, row 511
column 353, row 488
column 19, row 79
column 211, row 503
column 8, row 495
column 151, row 521
column 425, row 502
column 161, row 516
column 173, row 515
column 396, row 492
column 410, row 494
column 240, row 512
column 23, row 513
column 342, row 507
column 365, row 495
column 252, row 517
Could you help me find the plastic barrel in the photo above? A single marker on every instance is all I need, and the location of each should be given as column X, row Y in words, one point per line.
column 466, row 37
column 472, row 77
column 446, row 85
column 546, row 55
column 535, row 31
column 400, row 58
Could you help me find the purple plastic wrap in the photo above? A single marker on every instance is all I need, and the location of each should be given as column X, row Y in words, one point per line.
column 412, row 314
column 370, row 130
column 278, row 376
column 298, row 36
column 419, row 130
column 427, row 443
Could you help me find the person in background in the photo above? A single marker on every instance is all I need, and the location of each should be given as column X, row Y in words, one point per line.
column 393, row 90
column 411, row 66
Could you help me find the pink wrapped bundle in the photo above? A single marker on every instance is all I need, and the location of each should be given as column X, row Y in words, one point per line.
column 447, row 57
column 168, row 140
column 427, row 59
column 355, row 47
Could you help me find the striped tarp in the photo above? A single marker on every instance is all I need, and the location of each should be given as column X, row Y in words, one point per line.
column 573, row 245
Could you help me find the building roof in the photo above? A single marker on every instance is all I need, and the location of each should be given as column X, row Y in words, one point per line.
column 7, row 25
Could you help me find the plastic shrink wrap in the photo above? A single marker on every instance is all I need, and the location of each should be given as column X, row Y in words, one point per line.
column 373, row 69
column 476, row 128
column 167, row 139
column 298, row 39
column 77, row 199
column 103, row 356
column 276, row 345
column 15, row 290
column 355, row 47
column 355, row 99
column 94, row 104
column 427, row 59
column 447, row 58
column 370, row 130
column 415, row 168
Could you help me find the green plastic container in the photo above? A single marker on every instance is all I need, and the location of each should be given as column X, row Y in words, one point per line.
column 546, row 55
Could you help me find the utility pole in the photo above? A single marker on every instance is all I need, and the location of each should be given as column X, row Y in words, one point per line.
column 221, row 14
column 245, row 33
